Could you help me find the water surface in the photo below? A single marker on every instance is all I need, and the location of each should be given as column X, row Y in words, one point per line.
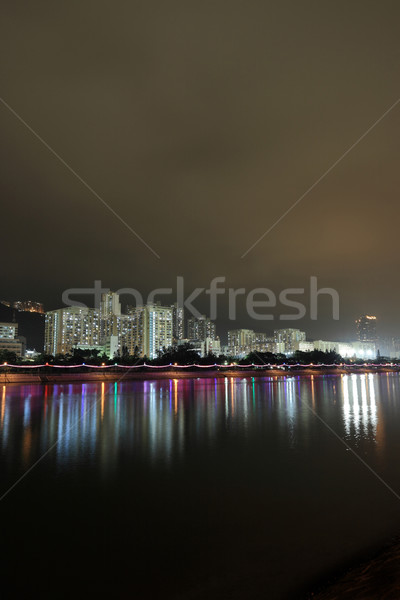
column 193, row 488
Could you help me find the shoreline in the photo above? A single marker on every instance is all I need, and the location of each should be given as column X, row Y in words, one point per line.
column 115, row 376
column 373, row 574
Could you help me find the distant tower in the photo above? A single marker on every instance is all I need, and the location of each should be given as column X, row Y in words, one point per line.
column 110, row 310
column 366, row 329
column 178, row 324
column 110, row 305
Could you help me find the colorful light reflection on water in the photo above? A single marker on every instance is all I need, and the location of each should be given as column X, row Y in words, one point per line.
column 237, row 474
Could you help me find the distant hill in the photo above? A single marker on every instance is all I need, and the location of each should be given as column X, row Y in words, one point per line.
column 30, row 325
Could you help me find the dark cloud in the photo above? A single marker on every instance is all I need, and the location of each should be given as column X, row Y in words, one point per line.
column 200, row 123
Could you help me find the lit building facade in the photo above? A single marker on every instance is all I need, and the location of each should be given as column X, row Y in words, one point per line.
column 200, row 329
column 25, row 306
column 29, row 306
column 363, row 350
column 326, row 346
column 149, row 329
column 366, row 329
column 208, row 346
column 304, row 346
column 10, row 341
column 146, row 330
column 71, row 327
column 212, row 346
column 276, row 348
column 178, row 322
column 110, row 310
column 263, row 343
column 129, row 339
column 289, row 337
column 241, row 341
column 158, row 328
column 109, row 347
column 8, row 331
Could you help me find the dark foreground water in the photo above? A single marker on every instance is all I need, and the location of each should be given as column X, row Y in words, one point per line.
column 202, row 488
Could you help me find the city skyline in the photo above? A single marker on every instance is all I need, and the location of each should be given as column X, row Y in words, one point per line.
column 126, row 332
column 182, row 322
column 147, row 330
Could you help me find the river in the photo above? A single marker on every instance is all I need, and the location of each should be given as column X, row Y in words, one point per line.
column 219, row 488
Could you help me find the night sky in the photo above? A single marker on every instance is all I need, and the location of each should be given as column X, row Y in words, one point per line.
column 200, row 124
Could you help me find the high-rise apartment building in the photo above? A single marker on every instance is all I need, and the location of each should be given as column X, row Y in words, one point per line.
column 178, row 323
column 145, row 330
column 289, row 337
column 71, row 327
column 83, row 327
column 241, row 341
column 8, row 331
column 159, row 329
column 110, row 305
column 148, row 329
column 201, row 329
column 212, row 346
column 264, row 343
column 9, row 339
column 127, row 334
column 110, row 310
column 366, row 329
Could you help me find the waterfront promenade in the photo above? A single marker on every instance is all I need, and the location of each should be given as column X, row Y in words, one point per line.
column 112, row 374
